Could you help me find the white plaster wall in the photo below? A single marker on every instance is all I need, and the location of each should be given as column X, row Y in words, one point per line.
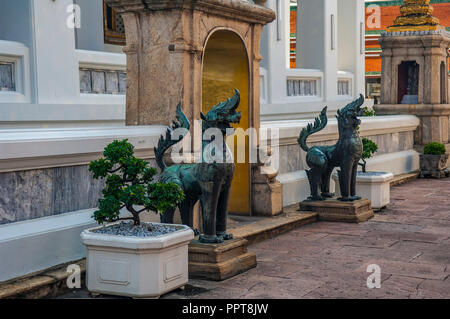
column 317, row 31
column 311, row 35
column 273, row 43
column 56, row 65
column 15, row 22
column 326, row 52
column 90, row 36
column 351, row 41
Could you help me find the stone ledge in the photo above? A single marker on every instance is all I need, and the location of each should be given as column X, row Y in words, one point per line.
column 404, row 178
column 412, row 109
column 46, row 284
column 236, row 9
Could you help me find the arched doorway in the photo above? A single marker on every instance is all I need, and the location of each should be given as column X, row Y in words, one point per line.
column 225, row 67
column 408, row 83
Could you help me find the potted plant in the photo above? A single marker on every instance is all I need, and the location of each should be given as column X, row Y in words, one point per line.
column 433, row 161
column 126, row 256
column 374, row 186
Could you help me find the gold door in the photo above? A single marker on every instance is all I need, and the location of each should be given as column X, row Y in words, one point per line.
column 225, row 67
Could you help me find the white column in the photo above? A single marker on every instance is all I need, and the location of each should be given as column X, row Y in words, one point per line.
column 275, row 51
column 317, row 45
column 351, row 41
column 56, row 72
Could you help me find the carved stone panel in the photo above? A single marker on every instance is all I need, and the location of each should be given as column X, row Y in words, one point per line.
column 7, row 82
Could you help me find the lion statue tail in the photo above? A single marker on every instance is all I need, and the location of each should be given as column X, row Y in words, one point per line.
column 319, row 123
column 166, row 142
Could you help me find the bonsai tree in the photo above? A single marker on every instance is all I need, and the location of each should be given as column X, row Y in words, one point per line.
column 434, row 148
column 129, row 183
column 369, row 148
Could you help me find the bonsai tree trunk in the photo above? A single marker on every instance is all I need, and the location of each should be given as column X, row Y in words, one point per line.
column 136, row 219
column 363, row 165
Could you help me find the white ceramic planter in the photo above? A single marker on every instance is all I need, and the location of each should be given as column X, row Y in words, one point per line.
column 139, row 267
column 371, row 185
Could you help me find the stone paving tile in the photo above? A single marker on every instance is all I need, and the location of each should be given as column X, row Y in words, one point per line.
column 356, row 241
column 408, row 232
column 268, row 254
column 439, row 212
column 392, row 287
column 434, row 289
column 407, row 269
column 216, row 293
column 319, row 268
column 335, row 228
column 433, row 257
column 306, row 236
column 376, row 253
column 275, row 269
column 261, row 286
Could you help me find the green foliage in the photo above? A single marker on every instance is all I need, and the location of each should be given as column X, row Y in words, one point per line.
column 369, row 148
column 434, row 148
column 129, row 183
column 368, row 111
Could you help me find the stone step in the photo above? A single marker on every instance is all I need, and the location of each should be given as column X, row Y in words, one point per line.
column 266, row 228
column 404, row 178
column 46, row 284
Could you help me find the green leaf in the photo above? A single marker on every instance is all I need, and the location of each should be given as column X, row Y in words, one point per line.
column 369, row 148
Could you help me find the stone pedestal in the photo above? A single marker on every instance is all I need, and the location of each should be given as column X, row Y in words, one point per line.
column 267, row 199
column 267, row 192
column 219, row 261
column 337, row 211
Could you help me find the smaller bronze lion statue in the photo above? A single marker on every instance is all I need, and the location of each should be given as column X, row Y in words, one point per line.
column 345, row 154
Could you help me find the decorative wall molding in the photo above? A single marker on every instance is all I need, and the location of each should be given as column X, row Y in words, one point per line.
column 95, row 81
column 14, row 72
column 7, row 76
column 102, row 73
column 370, row 126
column 44, row 148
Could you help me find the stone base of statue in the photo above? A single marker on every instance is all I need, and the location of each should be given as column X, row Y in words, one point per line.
column 334, row 210
column 219, row 261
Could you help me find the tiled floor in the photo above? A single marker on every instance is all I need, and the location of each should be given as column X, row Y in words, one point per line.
column 409, row 241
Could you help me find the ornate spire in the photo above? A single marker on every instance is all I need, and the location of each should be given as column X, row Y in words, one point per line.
column 415, row 16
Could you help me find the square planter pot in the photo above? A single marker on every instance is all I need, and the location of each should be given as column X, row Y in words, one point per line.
column 374, row 186
column 139, row 267
column 433, row 165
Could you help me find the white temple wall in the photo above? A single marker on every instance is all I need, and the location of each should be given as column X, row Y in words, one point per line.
column 62, row 111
